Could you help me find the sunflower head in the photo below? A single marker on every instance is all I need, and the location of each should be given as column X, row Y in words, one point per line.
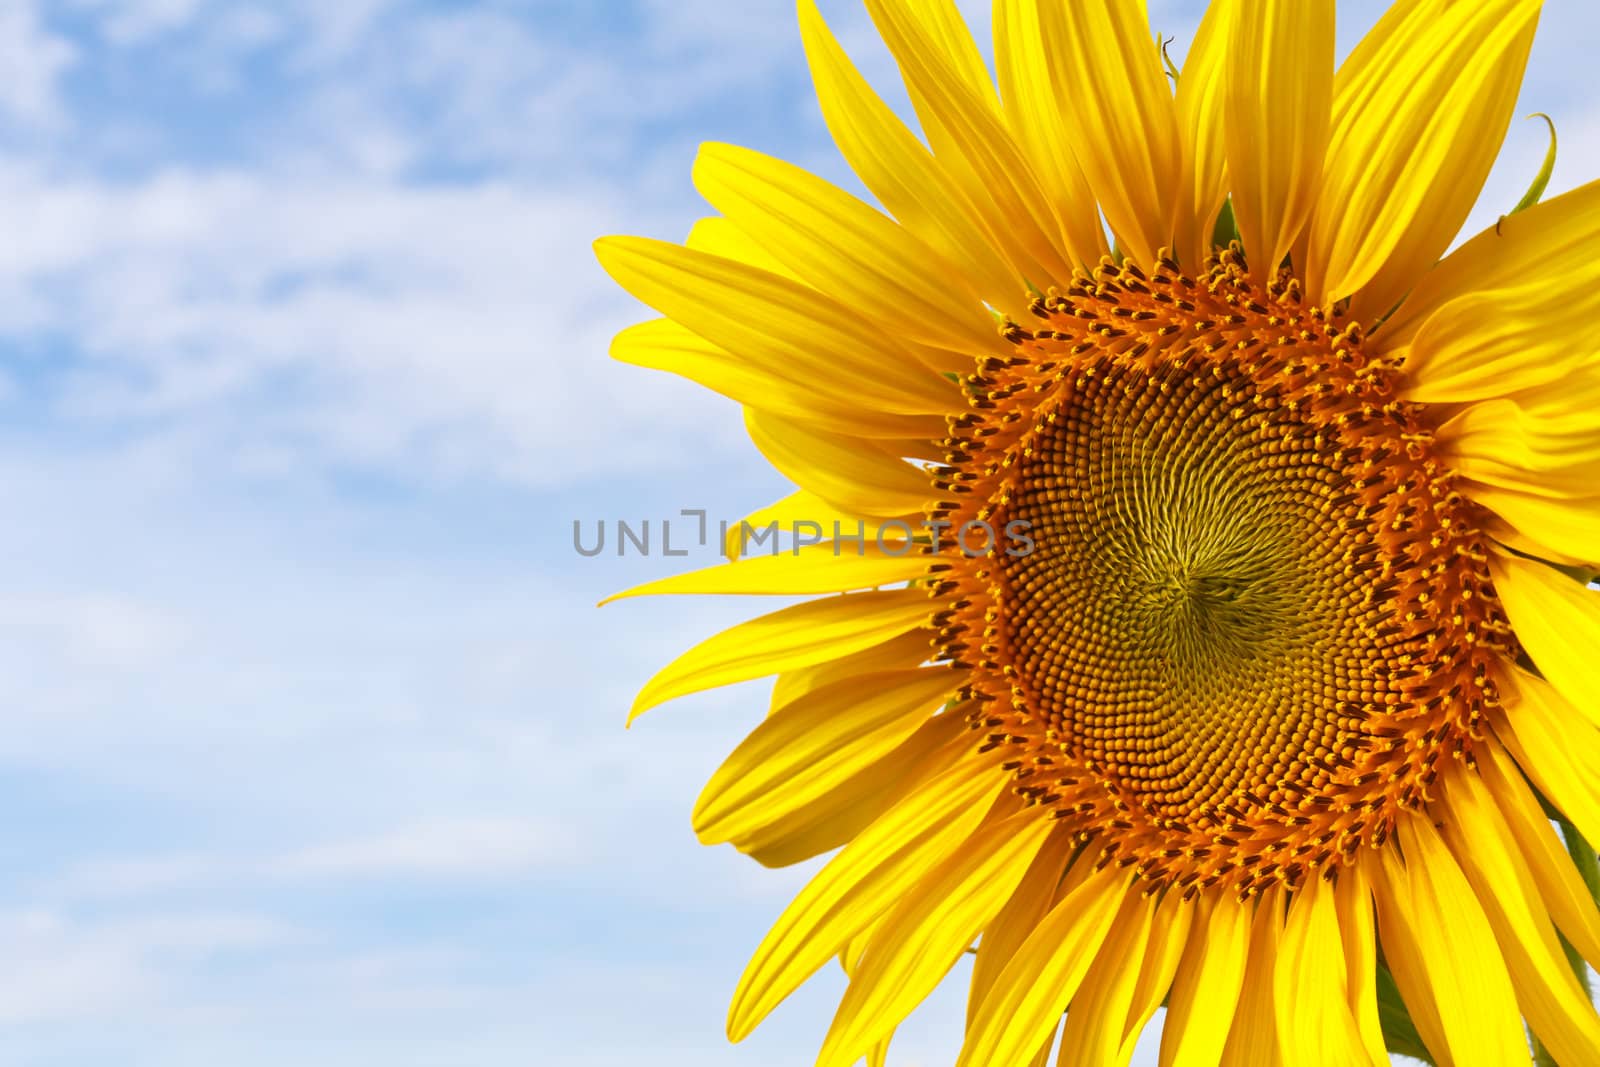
column 1260, row 706
column 1255, row 613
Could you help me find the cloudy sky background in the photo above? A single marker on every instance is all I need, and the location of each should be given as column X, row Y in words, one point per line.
column 312, row 746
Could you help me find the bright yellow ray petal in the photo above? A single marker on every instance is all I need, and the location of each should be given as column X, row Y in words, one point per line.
column 1482, row 344
column 1093, row 1031
column 1311, row 987
column 1279, row 102
column 1568, row 529
column 1034, row 119
column 1555, row 746
column 1352, row 900
column 848, row 472
column 720, row 237
column 1547, row 249
column 1560, row 886
column 826, row 568
column 792, row 833
column 795, row 636
column 1253, row 1041
column 661, row 344
column 898, row 653
column 1556, row 1007
column 782, row 326
column 1420, row 110
column 1169, row 937
column 803, row 513
column 1537, row 444
column 1202, row 121
column 929, row 930
column 941, row 22
column 846, row 248
column 1557, row 620
column 1119, row 114
column 810, row 746
column 1205, row 990
column 899, row 171
column 1033, row 990
column 1039, row 889
column 1442, row 953
column 967, row 134
column 862, row 883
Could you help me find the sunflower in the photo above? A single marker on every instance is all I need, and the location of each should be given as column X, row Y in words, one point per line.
column 1264, row 710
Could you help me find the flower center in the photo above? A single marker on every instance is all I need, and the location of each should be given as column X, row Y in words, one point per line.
column 1254, row 615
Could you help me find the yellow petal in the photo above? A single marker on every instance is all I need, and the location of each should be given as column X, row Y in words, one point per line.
column 1556, row 1007
column 1205, row 990
column 846, row 249
column 1442, row 952
column 803, row 512
column 967, row 135
column 1022, row 1007
column 1253, row 1041
column 1568, row 528
column 945, row 29
column 785, row 328
column 1537, row 444
column 720, row 237
column 811, row 632
column 1202, row 115
column 1531, row 332
column 848, row 472
column 1311, row 986
column 1557, row 620
column 792, row 833
column 1034, row 119
column 1279, row 105
column 1040, row 888
column 1352, row 900
column 1169, row 935
column 664, row 345
column 862, row 883
column 1094, row 1027
column 819, row 568
column 1547, row 249
column 1420, row 110
column 929, row 931
column 1556, row 747
column 1119, row 113
column 898, row 653
column 810, row 746
column 1560, row 885
column 900, row 172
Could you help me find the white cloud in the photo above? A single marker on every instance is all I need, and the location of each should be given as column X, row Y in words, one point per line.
column 89, row 631
column 34, row 60
column 467, row 850
column 54, row 967
column 450, row 330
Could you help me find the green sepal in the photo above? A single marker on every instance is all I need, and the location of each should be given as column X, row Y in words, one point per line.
column 1542, row 179
column 1226, row 231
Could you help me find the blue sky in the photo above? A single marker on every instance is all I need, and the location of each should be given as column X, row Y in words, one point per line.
column 313, row 744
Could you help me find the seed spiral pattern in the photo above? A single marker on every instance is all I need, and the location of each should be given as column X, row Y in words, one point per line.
column 1255, row 615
